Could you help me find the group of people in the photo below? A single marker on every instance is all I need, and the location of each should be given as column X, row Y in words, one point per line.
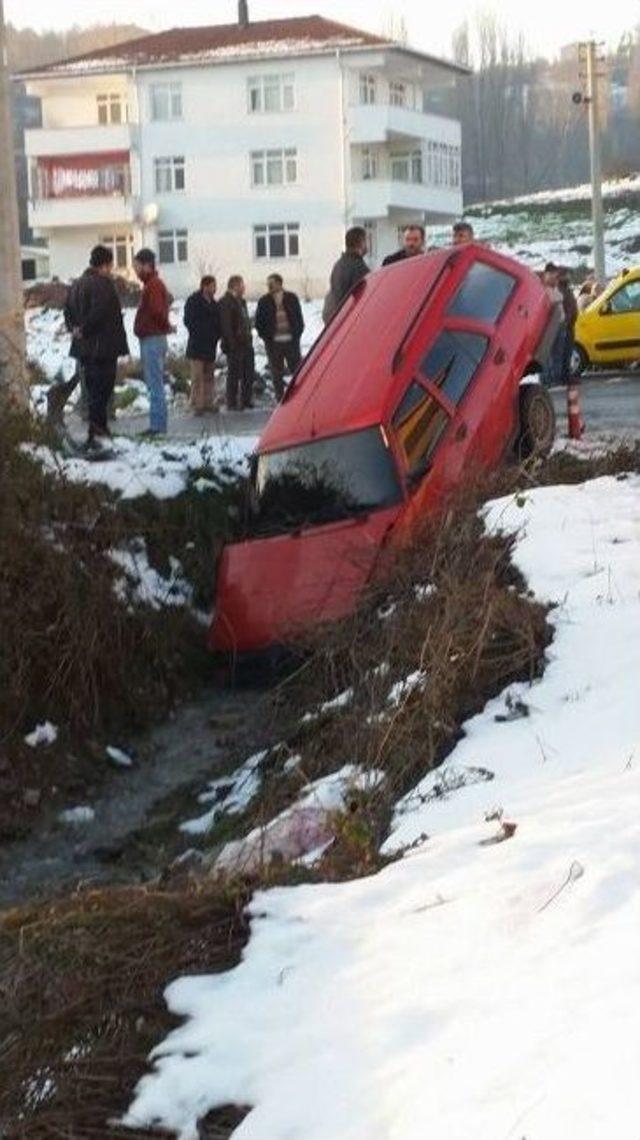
column 278, row 321
column 351, row 266
column 93, row 316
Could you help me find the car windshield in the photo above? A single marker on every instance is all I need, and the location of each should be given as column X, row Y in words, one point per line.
column 324, row 481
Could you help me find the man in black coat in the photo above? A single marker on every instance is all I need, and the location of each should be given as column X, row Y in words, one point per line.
column 237, row 345
column 280, row 323
column 97, row 335
column 350, row 268
column 412, row 244
column 202, row 319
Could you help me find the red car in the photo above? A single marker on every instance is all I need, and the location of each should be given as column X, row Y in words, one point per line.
column 415, row 381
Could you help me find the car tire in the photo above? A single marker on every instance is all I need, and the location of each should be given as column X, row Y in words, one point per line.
column 537, row 422
column 579, row 360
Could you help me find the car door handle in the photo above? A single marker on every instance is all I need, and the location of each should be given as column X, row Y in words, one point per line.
column 461, row 433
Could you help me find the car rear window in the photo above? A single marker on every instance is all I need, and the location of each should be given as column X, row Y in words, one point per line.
column 483, row 294
column 453, row 360
column 324, row 481
column 419, row 423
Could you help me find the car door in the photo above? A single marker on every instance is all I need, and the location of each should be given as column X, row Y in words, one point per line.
column 617, row 336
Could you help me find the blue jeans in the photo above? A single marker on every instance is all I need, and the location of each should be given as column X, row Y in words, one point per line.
column 153, row 353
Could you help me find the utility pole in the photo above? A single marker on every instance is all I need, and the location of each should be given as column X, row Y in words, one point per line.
column 13, row 376
column 589, row 56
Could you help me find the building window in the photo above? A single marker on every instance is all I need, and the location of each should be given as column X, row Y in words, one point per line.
column 166, row 102
column 172, row 246
column 397, row 94
column 169, row 174
column 112, row 108
column 274, row 167
column 121, row 246
column 407, row 167
column 367, row 88
column 369, row 163
column 279, row 239
column 371, row 230
column 270, row 93
column 443, row 165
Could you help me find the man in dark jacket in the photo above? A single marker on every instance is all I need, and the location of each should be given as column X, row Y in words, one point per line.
column 202, row 319
column 280, row 323
column 350, row 268
column 97, row 337
column 570, row 310
column 237, row 345
column 412, row 244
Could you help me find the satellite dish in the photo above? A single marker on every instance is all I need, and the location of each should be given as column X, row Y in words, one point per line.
column 150, row 214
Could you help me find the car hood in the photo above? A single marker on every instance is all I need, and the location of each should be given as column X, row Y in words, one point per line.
column 271, row 589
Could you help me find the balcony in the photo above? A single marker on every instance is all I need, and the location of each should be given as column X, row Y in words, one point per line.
column 93, row 139
column 51, row 213
column 378, row 197
column 370, row 123
column 81, row 190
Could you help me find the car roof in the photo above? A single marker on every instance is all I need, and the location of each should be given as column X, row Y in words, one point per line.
column 348, row 379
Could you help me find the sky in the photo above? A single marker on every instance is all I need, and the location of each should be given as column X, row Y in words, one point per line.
column 547, row 24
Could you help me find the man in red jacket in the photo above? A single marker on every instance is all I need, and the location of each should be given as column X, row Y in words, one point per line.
column 151, row 327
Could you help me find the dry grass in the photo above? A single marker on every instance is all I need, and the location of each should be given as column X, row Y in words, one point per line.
column 451, row 607
column 81, row 981
column 72, row 650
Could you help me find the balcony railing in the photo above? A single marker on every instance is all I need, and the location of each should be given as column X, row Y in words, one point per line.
column 56, row 182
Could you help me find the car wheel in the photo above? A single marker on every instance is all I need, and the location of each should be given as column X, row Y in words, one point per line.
column 537, row 422
column 579, row 361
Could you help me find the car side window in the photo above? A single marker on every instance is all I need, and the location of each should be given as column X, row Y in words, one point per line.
column 483, row 294
column 419, row 423
column 626, row 299
column 453, row 360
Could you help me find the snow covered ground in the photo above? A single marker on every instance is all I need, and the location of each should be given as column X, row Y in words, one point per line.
column 487, row 983
column 555, row 225
column 140, row 468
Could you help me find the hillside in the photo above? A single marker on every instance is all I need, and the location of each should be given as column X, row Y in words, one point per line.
column 556, row 226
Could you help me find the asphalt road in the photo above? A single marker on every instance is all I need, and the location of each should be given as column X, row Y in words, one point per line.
column 610, row 404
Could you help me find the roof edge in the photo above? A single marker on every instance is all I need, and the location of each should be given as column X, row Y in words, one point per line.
column 57, row 70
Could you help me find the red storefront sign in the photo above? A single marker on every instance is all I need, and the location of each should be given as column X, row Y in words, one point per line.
column 82, row 175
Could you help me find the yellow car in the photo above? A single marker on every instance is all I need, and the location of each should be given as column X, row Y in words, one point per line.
column 608, row 331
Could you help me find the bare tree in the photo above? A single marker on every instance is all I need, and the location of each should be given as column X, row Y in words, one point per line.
column 394, row 26
column 13, row 375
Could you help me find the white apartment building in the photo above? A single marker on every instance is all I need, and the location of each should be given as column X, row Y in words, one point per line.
column 242, row 148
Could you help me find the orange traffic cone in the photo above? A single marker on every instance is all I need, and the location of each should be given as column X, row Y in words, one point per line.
column 574, row 416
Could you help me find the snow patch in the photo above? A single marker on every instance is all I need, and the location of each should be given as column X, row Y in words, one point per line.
column 45, row 733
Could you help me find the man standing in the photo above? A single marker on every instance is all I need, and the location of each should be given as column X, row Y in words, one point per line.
column 237, row 345
column 413, row 238
column 462, row 233
column 97, row 336
column 151, row 327
column 570, row 310
column 202, row 319
column 280, row 323
column 350, row 268
column 553, row 367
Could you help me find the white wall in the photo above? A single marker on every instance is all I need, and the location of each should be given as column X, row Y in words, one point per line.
column 219, row 206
